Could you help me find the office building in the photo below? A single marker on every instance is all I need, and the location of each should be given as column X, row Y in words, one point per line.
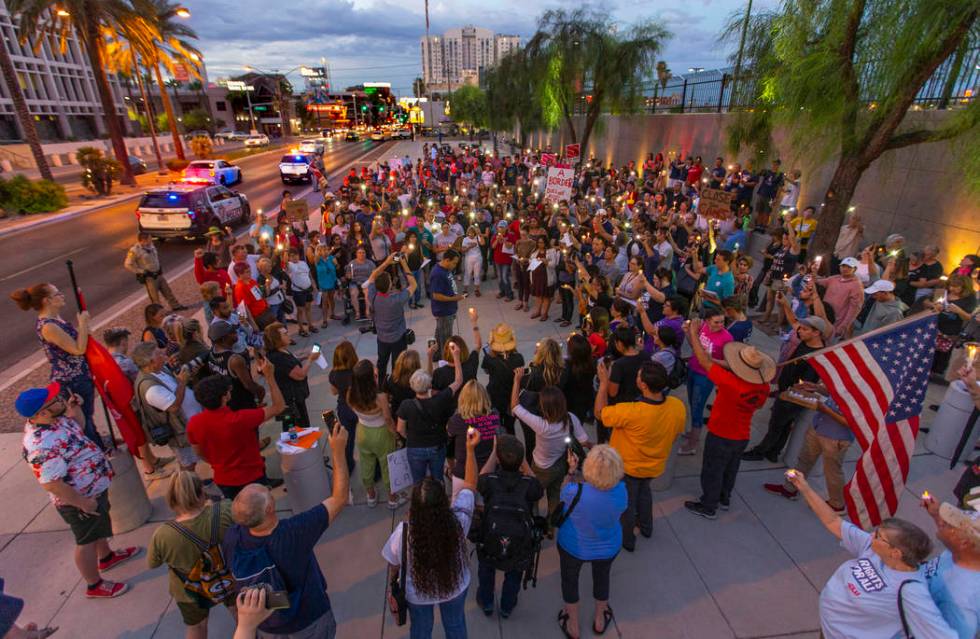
column 459, row 56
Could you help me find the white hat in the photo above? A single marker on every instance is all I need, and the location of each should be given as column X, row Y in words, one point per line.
column 850, row 261
column 881, row 286
column 967, row 522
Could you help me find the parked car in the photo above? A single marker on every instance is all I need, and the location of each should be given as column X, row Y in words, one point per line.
column 231, row 136
column 137, row 165
column 295, row 167
column 189, row 210
column 404, row 133
column 377, row 135
column 212, row 172
column 259, row 139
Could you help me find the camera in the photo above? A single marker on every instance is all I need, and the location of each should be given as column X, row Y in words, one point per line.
column 396, row 258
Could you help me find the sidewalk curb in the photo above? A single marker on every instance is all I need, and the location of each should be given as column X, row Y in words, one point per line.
column 29, row 364
column 37, row 223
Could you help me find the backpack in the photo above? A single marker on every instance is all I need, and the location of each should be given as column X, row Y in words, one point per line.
column 508, row 538
column 254, row 566
column 156, row 423
column 209, row 577
column 677, row 375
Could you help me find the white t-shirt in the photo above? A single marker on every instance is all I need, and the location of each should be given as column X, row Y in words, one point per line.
column 860, row 600
column 252, row 260
column 163, row 395
column 299, row 274
column 549, row 444
column 791, row 195
column 471, row 246
column 392, row 552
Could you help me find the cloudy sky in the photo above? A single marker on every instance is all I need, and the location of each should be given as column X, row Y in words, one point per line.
column 378, row 40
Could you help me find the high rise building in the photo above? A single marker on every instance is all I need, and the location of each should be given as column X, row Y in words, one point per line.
column 58, row 86
column 459, row 56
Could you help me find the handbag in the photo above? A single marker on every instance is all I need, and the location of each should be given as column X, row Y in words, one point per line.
column 397, row 601
column 561, row 514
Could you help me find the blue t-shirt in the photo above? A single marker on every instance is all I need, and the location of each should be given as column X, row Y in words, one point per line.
column 290, row 547
column 860, row 600
column 326, row 273
column 721, row 284
column 593, row 530
column 736, row 241
column 956, row 592
column 442, row 281
column 741, row 330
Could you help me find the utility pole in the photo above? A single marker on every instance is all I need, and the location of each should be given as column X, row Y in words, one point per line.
column 736, row 76
column 251, row 114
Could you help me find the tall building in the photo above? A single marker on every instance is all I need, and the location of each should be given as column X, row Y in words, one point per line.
column 58, row 86
column 459, row 56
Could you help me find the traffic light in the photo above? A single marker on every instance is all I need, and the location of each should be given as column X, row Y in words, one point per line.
column 381, row 109
column 364, row 108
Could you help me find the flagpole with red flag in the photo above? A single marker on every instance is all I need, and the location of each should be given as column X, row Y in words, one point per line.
column 114, row 387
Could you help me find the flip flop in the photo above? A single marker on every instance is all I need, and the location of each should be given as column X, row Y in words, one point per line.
column 607, row 616
column 563, row 624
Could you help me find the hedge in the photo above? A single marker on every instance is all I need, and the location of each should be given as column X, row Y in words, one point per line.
column 20, row 195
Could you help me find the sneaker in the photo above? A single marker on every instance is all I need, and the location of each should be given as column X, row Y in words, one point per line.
column 698, row 508
column 840, row 510
column 725, row 504
column 505, row 613
column 118, row 557
column 157, row 473
column 487, row 608
column 782, row 491
column 687, row 450
column 372, row 501
column 398, row 503
column 106, row 590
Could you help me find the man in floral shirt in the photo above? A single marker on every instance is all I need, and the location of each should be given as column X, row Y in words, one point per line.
column 76, row 475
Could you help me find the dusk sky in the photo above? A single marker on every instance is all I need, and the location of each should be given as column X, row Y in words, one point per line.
column 378, row 40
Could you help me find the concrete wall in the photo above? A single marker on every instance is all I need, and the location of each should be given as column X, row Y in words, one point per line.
column 916, row 191
column 18, row 156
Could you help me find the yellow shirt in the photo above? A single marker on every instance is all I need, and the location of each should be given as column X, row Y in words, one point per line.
column 803, row 227
column 643, row 433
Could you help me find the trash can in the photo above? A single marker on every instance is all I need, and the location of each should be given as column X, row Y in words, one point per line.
column 666, row 478
column 306, row 477
column 797, row 437
column 130, row 508
column 947, row 428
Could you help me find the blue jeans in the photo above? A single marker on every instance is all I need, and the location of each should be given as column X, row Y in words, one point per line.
column 417, row 298
column 699, row 389
column 422, row 618
column 431, row 458
column 85, row 388
column 503, row 280
column 508, row 594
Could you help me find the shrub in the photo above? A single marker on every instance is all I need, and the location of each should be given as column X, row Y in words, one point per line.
column 98, row 171
column 176, row 165
column 20, row 195
column 202, row 147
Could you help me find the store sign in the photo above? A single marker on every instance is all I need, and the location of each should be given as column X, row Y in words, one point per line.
column 237, row 85
column 313, row 72
column 180, row 73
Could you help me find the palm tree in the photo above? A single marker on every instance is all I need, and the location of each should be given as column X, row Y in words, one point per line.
column 23, row 113
column 172, row 47
column 84, row 18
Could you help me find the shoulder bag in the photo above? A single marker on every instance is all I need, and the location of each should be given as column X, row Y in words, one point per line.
column 397, row 601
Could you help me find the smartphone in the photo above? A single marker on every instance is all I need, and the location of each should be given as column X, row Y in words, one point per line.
column 316, row 348
column 329, row 418
column 431, row 342
column 527, row 372
column 276, row 600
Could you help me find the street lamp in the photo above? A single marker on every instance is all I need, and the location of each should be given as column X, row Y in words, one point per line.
column 183, row 12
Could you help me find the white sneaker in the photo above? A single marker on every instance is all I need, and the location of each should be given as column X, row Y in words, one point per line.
column 372, row 501
column 398, row 503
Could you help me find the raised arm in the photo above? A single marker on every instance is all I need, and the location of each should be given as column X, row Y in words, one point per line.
column 341, row 477
column 693, row 337
column 817, row 504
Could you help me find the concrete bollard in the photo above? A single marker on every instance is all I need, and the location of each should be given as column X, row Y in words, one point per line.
column 947, row 428
column 307, row 481
column 56, row 159
column 129, row 505
column 666, row 478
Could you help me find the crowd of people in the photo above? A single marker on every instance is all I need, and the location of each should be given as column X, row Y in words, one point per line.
column 507, row 455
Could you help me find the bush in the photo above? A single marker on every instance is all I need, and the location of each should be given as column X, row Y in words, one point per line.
column 20, row 195
column 202, row 147
column 176, row 165
column 99, row 171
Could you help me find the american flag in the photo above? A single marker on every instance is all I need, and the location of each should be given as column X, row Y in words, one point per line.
column 879, row 381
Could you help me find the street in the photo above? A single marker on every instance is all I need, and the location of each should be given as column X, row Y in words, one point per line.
column 97, row 243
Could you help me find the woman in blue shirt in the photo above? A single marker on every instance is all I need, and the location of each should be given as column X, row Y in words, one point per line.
column 326, row 279
column 721, row 280
column 590, row 533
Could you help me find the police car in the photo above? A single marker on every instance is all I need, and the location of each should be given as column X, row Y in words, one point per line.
column 295, row 167
column 189, row 210
column 212, row 172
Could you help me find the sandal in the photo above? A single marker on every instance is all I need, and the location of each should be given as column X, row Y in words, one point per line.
column 314, row 329
column 544, row 318
column 563, row 623
column 607, row 616
column 478, row 293
column 565, row 324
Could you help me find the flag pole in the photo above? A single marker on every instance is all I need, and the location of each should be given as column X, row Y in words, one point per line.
column 80, row 303
column 858, row 338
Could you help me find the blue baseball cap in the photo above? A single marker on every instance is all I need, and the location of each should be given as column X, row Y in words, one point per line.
column 30, row 401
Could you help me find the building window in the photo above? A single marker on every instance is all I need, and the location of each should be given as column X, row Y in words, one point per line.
column 220, row 105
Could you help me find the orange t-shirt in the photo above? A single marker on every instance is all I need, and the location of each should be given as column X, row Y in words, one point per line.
column 252, row 295
column 735, row 404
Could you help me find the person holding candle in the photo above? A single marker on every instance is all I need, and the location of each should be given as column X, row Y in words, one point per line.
column 954, row 576
column 845, row 294
column 955, row 309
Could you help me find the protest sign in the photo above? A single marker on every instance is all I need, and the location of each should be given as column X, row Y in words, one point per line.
column 715, row 203
column 572, row 151
column 559, row 184
column 298, row 211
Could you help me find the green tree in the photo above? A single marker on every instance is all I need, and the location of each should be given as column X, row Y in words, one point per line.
column 513, row 96
column 841, row 76
column 469, row 106
column 197, row 119
column 582, row 52
column 88, row 20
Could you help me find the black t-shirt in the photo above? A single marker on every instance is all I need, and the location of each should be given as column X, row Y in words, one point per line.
column 793, row 373
column 427, row 427
column 921, row 272
column 624, row 372
column 501, row 372
column 579, row 392
column 396, row 393
column 489, row 427
column 948, row 322
column 443, row 376
column 341, row 380
column 292, row 389
column 493, row 483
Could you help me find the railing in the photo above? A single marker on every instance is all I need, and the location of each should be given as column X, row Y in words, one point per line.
column 956, row 82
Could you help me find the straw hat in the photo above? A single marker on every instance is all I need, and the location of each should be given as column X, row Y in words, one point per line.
column 749, row 363
column 502, row 338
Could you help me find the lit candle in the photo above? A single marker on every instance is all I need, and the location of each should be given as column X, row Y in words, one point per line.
column 971, row 352
column 926, row 496
column 791, row 474
column 817, row 260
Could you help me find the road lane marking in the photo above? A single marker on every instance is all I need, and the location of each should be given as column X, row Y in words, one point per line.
column 45, row 263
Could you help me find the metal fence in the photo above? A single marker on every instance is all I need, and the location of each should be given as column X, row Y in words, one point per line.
column 956, row 82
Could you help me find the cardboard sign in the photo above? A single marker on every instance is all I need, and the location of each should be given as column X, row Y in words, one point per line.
column 559, row 184
column 399, row 472
column 572, row 151
column 715, row 203
column 298, row 211
column 549, row 159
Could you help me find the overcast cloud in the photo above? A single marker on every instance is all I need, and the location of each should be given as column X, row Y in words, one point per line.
column 378, row 40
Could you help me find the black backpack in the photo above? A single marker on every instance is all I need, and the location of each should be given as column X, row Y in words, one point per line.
column 508, row 538
column 677, row 375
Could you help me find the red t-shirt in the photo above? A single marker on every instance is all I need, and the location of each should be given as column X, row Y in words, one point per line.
column 694, row 174
column 227, row 439
column 499, row 257
column 598, row 345
column 252, row 295
column 735, row 403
